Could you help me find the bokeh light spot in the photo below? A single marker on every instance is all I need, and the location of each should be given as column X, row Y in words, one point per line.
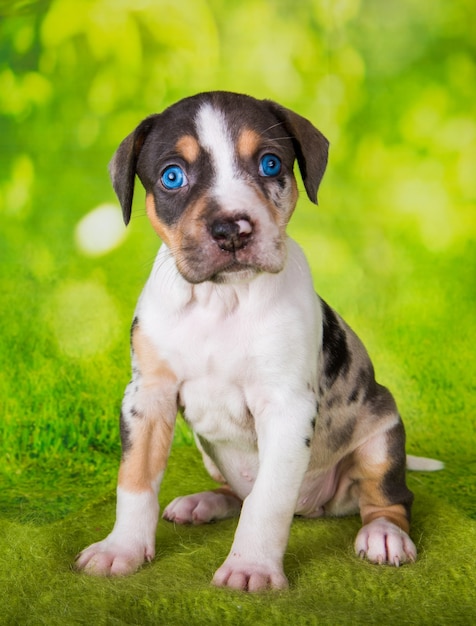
column 100, row 231
column 84, row 319
column 18, row 188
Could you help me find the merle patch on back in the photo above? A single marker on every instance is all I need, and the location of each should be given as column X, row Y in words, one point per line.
column 337, row 357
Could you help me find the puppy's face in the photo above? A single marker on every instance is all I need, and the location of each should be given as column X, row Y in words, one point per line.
column 218, row 173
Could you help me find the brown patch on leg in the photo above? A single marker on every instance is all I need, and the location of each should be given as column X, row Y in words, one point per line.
column 380, row 472
column 154, row 370
column 151, row 418
column 395, row 513
column 147, row 458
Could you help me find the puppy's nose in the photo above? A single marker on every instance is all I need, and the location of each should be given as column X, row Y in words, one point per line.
column 231, row 234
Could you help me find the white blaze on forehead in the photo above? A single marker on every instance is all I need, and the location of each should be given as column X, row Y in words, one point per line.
column 230, row 187
column 215, row 138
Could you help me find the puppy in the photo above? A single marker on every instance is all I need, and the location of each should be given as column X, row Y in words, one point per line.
column 279, row 391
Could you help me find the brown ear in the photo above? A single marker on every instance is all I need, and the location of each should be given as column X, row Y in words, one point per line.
column 122, row 167
column 310, row 145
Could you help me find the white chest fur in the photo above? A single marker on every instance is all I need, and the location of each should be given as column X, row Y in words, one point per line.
column 235, row 348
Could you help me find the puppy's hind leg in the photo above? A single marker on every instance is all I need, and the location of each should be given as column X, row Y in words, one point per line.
column 206, row 506
column 384, row 500
column 203, row 507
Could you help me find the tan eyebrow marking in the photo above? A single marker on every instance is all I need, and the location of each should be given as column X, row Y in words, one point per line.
column 248, row 143
column 188, row 147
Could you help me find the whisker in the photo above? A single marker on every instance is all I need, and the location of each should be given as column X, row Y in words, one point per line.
column 271, row 127
column 280, row 138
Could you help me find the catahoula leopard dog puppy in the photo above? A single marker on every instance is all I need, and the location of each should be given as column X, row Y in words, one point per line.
column 279, row 391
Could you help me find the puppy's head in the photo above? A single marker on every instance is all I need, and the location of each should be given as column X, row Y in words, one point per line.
column 217, row 169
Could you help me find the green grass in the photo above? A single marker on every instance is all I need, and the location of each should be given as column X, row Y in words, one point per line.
column 328, row 584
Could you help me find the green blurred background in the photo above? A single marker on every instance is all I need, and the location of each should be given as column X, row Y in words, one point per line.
column 391, row 245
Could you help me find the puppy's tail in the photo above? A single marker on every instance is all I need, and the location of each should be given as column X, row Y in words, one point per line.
column 422, row 464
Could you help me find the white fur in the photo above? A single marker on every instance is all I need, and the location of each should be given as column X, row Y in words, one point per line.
column 132, row 540
column 214, row 137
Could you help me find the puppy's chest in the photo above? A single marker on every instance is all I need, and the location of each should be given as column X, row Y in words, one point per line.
column 234, row 349
column 213, row 397
column 214, row 360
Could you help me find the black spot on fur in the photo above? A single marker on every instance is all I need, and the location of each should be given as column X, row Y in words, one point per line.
column 332, row 401
column 310, row 387
column 125, row 435
column 282, row 182
column 313, row 423
column 366, row 376
column 337, row 358
column 394, row 485
column 377, row 398
column 340, row 437
column 307, row 441
column 135, row 323
column 381, row 401
column 353, row 396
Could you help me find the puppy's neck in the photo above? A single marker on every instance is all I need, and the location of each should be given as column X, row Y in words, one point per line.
column 178, row 294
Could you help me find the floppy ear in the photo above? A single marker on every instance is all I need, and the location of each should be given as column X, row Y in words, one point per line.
column 310, row 145
column 122, row 167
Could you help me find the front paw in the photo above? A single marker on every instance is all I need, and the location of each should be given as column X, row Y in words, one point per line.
column 382, row 542
column 249, row 576
column 112, row 557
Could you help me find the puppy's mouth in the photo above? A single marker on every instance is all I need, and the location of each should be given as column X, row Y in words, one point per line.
column 232, row 270
column 234, row 273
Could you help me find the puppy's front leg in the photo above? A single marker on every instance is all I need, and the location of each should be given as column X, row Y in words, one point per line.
column 255, row 561
column 147, row 423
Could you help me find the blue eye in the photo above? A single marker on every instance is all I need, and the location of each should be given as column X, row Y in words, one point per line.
column 173, row 177
column 270, row 165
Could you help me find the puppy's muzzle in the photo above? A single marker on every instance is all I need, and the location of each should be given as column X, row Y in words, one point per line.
column 231, row 234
